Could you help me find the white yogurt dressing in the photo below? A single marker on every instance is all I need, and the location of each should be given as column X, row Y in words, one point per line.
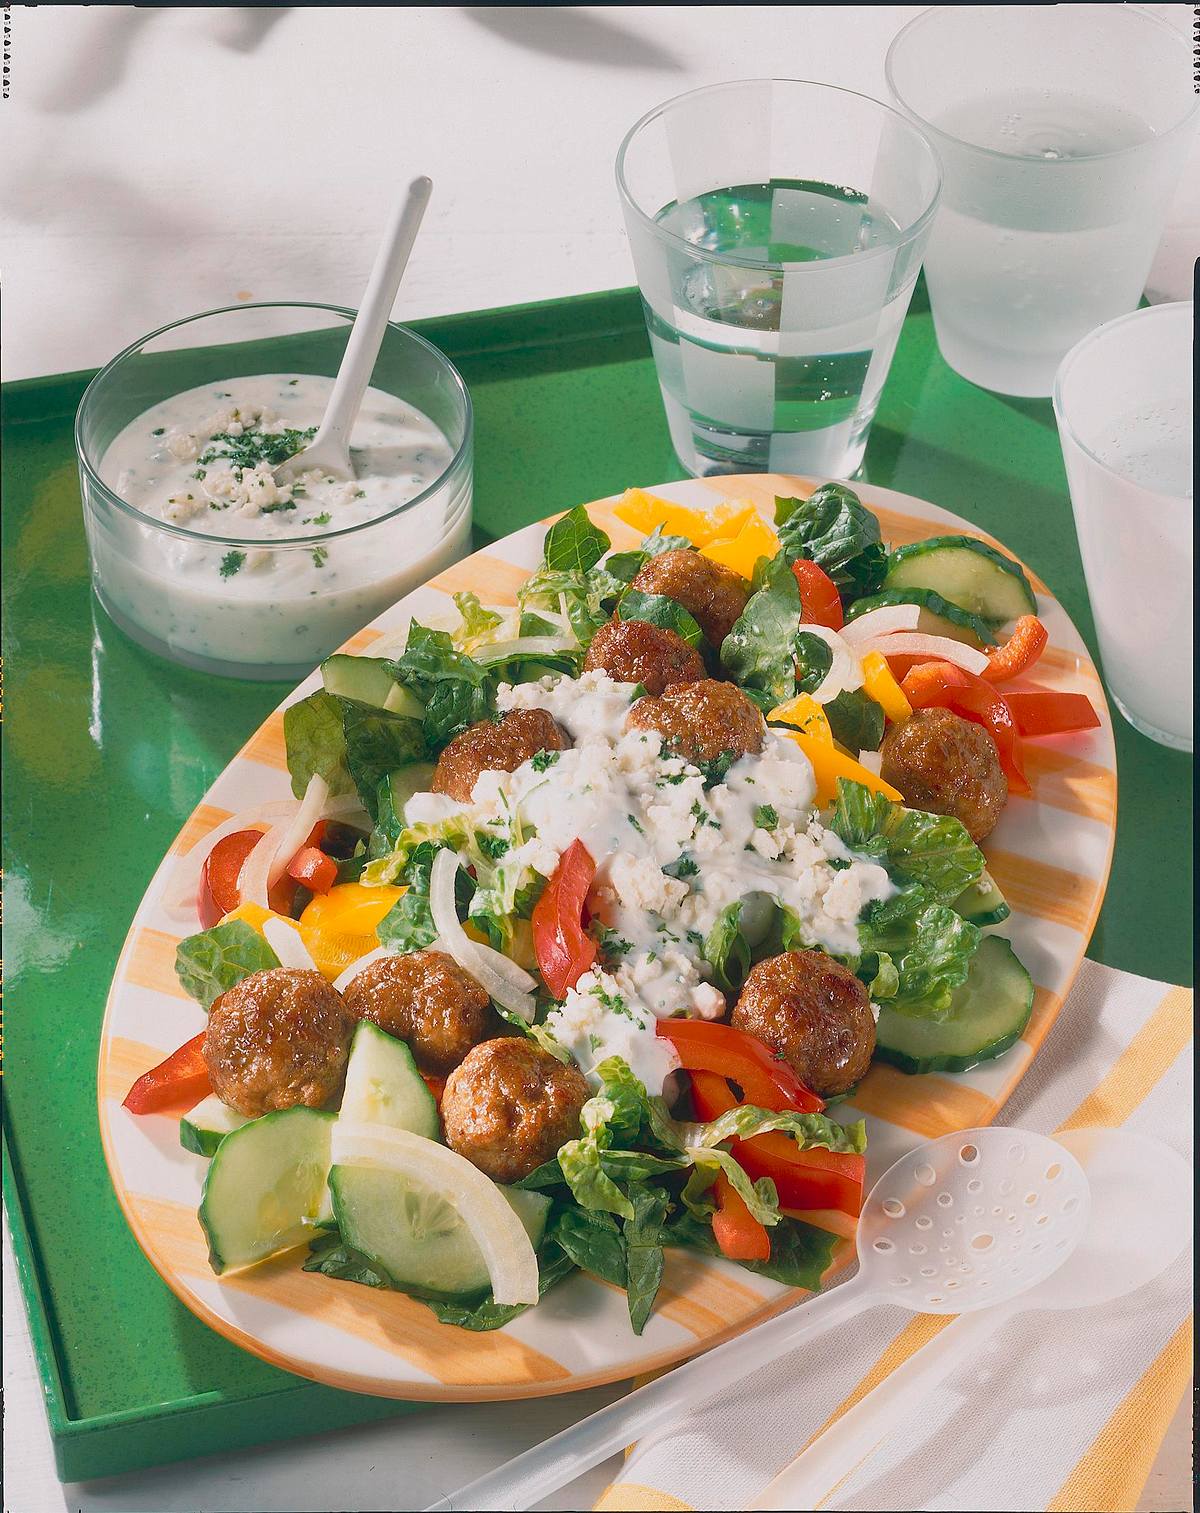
column 670, row 857
column 203, row 460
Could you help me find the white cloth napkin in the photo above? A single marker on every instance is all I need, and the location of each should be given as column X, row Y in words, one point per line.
column 1064, row 1411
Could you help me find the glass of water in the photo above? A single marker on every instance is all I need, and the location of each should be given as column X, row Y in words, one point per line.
column 777, row 229
column 1123, row 400
column 1062, row 130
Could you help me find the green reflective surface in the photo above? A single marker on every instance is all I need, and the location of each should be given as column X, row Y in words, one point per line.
column 108, row 749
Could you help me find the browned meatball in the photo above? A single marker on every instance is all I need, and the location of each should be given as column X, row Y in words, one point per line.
column 701, row 721
column 428, row 1000
column 495, row 746
column 510, row 1105
column 277, row 1039
column 630, row 651
column 947, row 765
column 713, row 595
column 814, row 1013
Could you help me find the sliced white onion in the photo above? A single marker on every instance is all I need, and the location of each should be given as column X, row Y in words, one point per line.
column 482, row 1207
column 343, row 980
column 938, row 648
column 284, row 939
column 179, row 896
column 871, row 760
column 312, row 808
column 881, row 622
column 253, row 881
column 845, row 671
column 479, row 961
column 525, row 646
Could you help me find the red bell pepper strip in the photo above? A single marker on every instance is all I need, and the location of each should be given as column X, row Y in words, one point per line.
column 218, row 892
column 313, row 869
column 804, row 1179
column 820, row 602
column 178, row 1082
column 703, row 1045
column 739, row 1234
column 564, row 949
column 1042, row 711
column 1019, row 652
column 940, row 685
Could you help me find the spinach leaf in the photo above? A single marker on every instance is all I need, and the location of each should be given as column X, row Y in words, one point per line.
column 408, row 925
column 934, row 850
column 746, row 932
column 212, row 961
column 813, row 659
column 593, row 1241
column 312, row 733
column 800, row 1253
column 574, row 543
column 657, row 609
column 642, row 1235
column 855, row 720
column 377, row 744
column 543, row 1177
column 759, row 652
column 836, row 531
column 332, row 1257
column 625, row 566
column 553, row 1265
column 453, row 687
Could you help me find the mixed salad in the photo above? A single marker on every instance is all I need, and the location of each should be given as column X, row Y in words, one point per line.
column 589, row 913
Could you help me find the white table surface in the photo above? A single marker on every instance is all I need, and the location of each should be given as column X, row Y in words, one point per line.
column 159, row 162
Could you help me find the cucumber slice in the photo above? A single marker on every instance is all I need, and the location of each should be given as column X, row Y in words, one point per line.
column 266, row 1187
column 414, row 1234
column 204, row 1127
column 982, row 903
column 938, row 616
column 368, row 680
column 383, row 1085
column 967, row 572
column 417, row 777
column 987, row 1016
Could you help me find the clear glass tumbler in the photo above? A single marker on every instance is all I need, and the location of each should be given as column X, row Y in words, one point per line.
column 1123, row 400
column 1062, row 130
column 777, row 228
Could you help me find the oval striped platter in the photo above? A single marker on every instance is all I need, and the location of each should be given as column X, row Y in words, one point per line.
column 1050, row 855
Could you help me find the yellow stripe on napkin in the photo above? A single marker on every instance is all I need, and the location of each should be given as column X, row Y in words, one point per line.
column 1148, row 1056
column 631, row 1497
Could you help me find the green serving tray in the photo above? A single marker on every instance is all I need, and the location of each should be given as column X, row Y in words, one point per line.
column 109, row 748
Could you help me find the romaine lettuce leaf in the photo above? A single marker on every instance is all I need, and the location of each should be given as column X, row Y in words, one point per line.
column 210, row 962
column 312, row 734
column 928, row 946
column 454, row 689
column 934, row 850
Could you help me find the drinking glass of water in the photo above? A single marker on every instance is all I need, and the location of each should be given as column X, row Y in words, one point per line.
column 1062, row 130
column 777, row 229
column 1123, row 400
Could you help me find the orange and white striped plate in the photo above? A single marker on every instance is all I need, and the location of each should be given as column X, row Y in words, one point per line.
column 1050, row 855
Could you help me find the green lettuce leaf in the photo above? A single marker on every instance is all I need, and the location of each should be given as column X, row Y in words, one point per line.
column 453, row 687
column 378, row 742
column 593, row 1240
column 746, row 932
column 212, row 961
column 574, row 544
column 408, row 925
column 657, row 609
column 553, row 1265
column 836, row 531
column 759, row 652
column 927, row 945
column 644, row 1259
column 934, row 850
column 813, row 658
column 855, row 721
column 477, row 621
column 312, row 733
column 800, row 1253
column 808, row 1130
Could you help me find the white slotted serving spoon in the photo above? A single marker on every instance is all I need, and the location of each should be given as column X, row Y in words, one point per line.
column 950, row 1228
column 329, row 450
column 1140, row 1221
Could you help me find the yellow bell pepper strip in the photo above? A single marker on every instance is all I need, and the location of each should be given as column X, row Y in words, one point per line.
column 646, row 512
column 880, row 685
column 339, row 926
column 253, row 915
column 755, row 539
column 830, row 763
column 804, row 714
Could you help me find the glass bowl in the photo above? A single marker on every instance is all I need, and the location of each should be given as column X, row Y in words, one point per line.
column 162, row 583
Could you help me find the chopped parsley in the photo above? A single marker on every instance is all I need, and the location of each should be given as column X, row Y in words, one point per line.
column 595, row 1041
column 612, row 944
column 541, row 760
column 636, row 823
column 703, row 817
column 696, row 939
column 159, row 431
column 254, row 446
column 670, row 778
column 320, row 556
column 714, row 772
column 284, row 504
column 292, row 382
column 492, row 846
column 231, row 562
column 766, row 817
column 322, row 519
column 839, row 863
column 683, row 867
column 612, row 1001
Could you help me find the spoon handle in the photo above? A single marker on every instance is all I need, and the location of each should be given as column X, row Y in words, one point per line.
column 366, row 334
column 823, row 1465
column 528, row 1478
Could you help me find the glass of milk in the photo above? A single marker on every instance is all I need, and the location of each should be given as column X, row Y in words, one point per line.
column 196, row 552
column 1123, row 401
column 1062, row 130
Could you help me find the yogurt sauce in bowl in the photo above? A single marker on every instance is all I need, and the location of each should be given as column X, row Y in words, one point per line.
column 293, row 568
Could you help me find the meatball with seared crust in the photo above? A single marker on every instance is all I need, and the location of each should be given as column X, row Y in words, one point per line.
column 277, row 1039
column 701, row 721
column 510, row 1105
column 713, row 595
column 495, row 746
column 631, row 651
column 814, row 1013
column 426, row 999
column 947, row 765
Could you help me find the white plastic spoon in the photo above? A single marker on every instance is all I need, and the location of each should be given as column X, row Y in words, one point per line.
column 961, row 1197
column 329, row 450
column 1141, row 1220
